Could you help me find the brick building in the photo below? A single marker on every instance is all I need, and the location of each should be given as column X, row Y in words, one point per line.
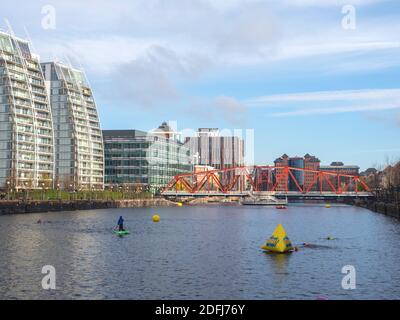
column 341, row 168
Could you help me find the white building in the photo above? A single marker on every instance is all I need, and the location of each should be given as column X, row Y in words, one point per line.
column 26, row 131
column 211, row 148
column 79, row 154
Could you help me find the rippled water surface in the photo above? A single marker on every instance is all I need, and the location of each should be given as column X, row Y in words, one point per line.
column 202, row 252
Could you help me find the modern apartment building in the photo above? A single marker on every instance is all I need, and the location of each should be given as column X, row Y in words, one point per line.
column 209, row 147
column 79, row 153
column 26, row 131
column 137, row 159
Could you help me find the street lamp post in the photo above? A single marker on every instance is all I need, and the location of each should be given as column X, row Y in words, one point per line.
column 70, row 190
column 8, row 190
column 26, row 191
column 42, row 190
column 58, row 191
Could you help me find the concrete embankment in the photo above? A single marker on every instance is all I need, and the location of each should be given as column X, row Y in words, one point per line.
column 389, row 209
column 16, row 206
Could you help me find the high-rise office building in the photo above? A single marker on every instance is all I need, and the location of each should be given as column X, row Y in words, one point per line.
column 26, row 131
column 79, row 154
column 210, row 148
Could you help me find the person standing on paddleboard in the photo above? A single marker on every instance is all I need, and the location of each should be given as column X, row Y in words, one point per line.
column 120, row 224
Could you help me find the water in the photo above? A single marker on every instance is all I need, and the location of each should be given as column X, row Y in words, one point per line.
column 202, row 252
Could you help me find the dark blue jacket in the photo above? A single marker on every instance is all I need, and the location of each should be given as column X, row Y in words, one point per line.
column 120, row 221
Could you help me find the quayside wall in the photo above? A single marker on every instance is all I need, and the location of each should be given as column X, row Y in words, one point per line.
column 18, row 206
column 389, row 209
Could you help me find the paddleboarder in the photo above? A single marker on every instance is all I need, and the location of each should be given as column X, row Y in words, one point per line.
column 120, row 224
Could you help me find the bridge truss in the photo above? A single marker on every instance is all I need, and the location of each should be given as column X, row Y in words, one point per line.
column 273, row 179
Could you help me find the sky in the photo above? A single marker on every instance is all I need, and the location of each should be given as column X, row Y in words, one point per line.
column 307, row 76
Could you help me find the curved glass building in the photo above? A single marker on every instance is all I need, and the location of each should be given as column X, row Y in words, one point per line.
column 26, row 131
column 79, row 154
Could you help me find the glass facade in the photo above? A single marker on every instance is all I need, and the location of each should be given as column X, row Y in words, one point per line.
column 135, row 158
column 79, row 154
column 299, row 175
column 26, row 130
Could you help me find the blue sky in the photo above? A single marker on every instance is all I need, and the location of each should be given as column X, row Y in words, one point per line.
column 287, row 69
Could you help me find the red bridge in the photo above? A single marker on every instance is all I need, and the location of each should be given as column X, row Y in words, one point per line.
column 279, row 181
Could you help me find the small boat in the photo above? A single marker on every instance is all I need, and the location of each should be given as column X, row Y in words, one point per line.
column 263, row 200
column 281, row 207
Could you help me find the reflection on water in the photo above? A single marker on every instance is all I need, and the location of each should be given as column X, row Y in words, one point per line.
column 200, row 253
column 278, row 262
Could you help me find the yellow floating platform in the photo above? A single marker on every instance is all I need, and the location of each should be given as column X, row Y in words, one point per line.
column 278, row 242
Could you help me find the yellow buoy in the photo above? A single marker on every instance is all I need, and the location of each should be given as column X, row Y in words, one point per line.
column 180, row 204
column 156, row 218
column 279, row 241
column 327, row 205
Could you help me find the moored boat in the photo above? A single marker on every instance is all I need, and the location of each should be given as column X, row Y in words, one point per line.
column 268, row 200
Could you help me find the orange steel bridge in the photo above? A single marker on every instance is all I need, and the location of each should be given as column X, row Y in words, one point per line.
column 281, row 181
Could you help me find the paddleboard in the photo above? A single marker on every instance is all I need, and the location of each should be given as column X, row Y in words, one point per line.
column 121, row 233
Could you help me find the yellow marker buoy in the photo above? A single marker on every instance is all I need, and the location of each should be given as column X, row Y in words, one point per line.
column 327, row 205
column 279, row 241
column 156, row 218
column 180, row 204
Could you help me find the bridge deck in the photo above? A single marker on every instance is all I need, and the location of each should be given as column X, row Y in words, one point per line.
column 289, row 194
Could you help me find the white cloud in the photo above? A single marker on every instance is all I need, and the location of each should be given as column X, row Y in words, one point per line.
column 149, row 79
column 205, row 36
column 327, row 102
column 341, row 109
column 318, row 96
column 231, row 33
column 327, row 3
column 290, row 51
column 228, row 4
column 232, row 109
